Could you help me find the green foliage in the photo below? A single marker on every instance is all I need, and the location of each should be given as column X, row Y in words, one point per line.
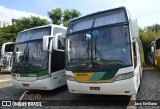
column 10, row 32
column 59, row 17
column 26, row 23
column 55, row 15
column 149, row 34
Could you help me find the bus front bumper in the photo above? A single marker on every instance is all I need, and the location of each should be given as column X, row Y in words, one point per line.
column 123, row 87
column 44, row 84
column 6, row 69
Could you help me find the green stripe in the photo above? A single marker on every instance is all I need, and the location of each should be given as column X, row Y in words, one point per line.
column 103, row 75
column 97, row 76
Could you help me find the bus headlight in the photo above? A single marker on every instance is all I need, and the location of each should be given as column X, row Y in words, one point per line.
column 70, row 78
column 124, row 76
column 42, row 77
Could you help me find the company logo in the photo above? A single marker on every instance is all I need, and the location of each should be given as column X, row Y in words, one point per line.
column 82, row 74
column 6, row 103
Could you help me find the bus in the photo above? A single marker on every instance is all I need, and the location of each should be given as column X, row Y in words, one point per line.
column 104, row 54
column 6, row 53
column 157, row 52
column 151, row 53
column 40, row 64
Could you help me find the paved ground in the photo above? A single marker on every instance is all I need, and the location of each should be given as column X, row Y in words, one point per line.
column 5, row 79
column 149, row 90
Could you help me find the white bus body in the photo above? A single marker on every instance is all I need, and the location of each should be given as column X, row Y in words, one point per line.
column 6, row 53
column 40, row 64
column 104, row 54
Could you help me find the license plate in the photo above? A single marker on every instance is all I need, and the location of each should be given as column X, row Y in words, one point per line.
column 26, row 85
column 95, row 88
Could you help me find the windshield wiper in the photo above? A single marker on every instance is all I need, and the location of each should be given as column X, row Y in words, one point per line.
column 26, row 56
column 126, row 35
column 102, row 59
column 82, row 59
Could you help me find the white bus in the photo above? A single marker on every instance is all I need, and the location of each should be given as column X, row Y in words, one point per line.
column 104, row 54
column 6, row 53
column 153, row 52
column 41, row 60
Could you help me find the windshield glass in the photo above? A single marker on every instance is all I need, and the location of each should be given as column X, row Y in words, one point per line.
column 97, row 20
column 33, row 34
column 31, row 57
column 9, row 48
column 100, row 49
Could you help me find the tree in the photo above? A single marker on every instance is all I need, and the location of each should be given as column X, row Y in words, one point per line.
column 147, row 35
column 10, row 32
column 55, row 15
column 155, row 27
column 26, row 23
column 66, row 17
column 59, row 17
column 69, row 14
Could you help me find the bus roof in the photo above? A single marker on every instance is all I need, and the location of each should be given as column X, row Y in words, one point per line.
column 157, row 38
column 50, row 25
column 98, row 12
column 151, row 44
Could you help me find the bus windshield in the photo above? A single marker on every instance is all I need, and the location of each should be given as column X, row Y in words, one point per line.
column 9, row 48
column 99, row 49
column 31, row 58
column 28, row 55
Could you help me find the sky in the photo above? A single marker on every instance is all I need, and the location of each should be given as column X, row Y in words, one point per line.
column 147, row 12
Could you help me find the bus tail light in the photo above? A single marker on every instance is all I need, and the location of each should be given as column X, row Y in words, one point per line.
column 124, row 76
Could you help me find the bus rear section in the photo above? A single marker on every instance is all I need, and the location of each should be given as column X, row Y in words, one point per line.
column 6, row 53
column 157, row 52
column 151, row 53
column 38, row 63
column 104, row 54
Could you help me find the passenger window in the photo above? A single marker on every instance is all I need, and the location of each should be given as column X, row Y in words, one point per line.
column 135, row 54
column 60, row 43
column 57, row 61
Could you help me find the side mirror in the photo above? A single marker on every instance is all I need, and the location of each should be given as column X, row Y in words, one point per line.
column 134, row 28
column 46, row 43
column 152, row 48
column 57, row 42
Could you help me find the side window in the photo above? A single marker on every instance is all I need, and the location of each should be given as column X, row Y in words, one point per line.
column 57, row 61
column 158, row 44
column 134, row 48
column 61, row 43
column 135, row 54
